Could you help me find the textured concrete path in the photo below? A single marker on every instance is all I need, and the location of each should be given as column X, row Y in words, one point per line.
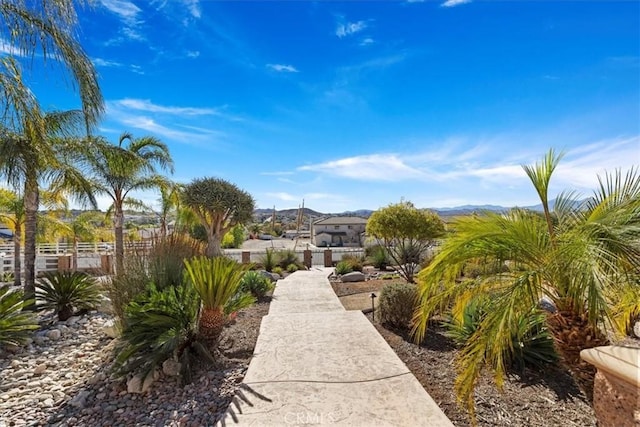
column 317, row 364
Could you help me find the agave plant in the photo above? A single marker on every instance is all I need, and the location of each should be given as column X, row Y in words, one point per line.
column 64, row 291
column 217, row 281
column 15, row 324
column 160, row 325
column 255, row 283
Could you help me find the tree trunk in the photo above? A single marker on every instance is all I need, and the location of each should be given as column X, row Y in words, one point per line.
column 17, row 264
column 31, row 204
column 211, row 324
column 572, row 333
column 118, row 222
column 214, row 246
column 74, row 255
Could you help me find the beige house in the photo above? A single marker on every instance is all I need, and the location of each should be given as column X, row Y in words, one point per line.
column 339, row 231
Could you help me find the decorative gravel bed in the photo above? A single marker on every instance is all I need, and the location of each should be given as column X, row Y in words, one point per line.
column 62, row 378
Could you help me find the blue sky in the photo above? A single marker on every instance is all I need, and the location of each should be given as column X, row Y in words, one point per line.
column 358, row 104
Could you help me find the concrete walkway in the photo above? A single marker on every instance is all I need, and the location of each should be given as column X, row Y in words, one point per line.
column 317, row 364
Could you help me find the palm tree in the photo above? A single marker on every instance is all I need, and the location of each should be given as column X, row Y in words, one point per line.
column 12, row 214
column 129, row 166
column 580, row 255
column 46, row 28
column 169, row 202
column 40, row 148
column 84, row 227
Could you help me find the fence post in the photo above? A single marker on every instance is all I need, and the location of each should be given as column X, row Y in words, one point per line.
column 246, row 257
column 64, row 263
column 105, row 264
column 306, row 256
column 328, row 260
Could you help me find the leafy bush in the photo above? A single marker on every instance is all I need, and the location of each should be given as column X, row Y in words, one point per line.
column 278, row 270
column 7, row 277
column 160, row 325
column 268, row 260
column 286, row 257
column 397, row 304
column 354, row 262
column 63, row 291
column 234, row 237
column 255, row 283
column 292, row 268
column 15, row 324
column 531, row 342
column 162, row 264
column 217, row 281
column 343, row 267
column 378, row 257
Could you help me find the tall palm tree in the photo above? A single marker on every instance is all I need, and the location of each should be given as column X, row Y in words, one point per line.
column 169, row 202
column 583, row 256
column 37, row 150
column 46, row 28
column 129, row 166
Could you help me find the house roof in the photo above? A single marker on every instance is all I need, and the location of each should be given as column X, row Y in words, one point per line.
column 333, row 233
column 341, row 220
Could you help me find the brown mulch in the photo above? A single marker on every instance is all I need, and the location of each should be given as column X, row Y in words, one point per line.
column 239, row 338
column 529, row 399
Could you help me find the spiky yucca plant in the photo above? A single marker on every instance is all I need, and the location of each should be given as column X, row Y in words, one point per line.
column 64, row 291
column 15, row 324
column 217, row 281
column 255, row 283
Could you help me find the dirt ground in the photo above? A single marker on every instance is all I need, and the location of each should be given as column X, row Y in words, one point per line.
column 528, row 399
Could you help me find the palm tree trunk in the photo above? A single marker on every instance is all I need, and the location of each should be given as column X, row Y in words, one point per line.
column 572, row 333
column 211, row 324
column 17, row 264
column 74, row 256
column 118, row 222
column 31, row 204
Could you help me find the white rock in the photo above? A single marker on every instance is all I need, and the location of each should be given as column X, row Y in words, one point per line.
column 54, row 334
column 354, row 276
column 48, row 403
column 15, row 363
column 636, row 329
column 171, row 368
column 133, row 384
column 40, row 369
column 105, row 306
column 109, row 329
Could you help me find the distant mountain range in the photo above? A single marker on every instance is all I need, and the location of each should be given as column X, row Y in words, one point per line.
column 366, row 213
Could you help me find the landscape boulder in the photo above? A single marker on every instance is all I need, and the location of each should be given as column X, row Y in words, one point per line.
column 354, row 276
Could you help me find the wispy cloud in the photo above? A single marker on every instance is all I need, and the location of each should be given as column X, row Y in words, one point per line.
column 128, row 13
column 99, row 62
column 7, row 48
column 148, row 106
column 286, row 197
column 282, row 68
column 193, row 53
column 349, row 28
column 193, row 6
column 373, row 167
column 453, row 3
column 367, row 41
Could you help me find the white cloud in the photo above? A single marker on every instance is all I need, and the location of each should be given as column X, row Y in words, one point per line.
column 150, row 125
column 7, row 48
column 373, row 167
column 367, row 41
column 453, row 3
column 193, row 6
column 286, row 197
column 128, row 13
column 148, row 106
column 99, row 62
column 281, row 68
column 193, row 53
column 344, row 30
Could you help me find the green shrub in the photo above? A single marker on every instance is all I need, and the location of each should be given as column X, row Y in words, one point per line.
column 292, row 268
column 15, row 325
column 160, row 325
column 531, row 342
column 278, row 270
column 64, row 291
column 397, row 304
column 256, row 284
column 7, row 277
column 286, row 257
column 378, row 257
column 162, row 264
column 268, row 260
column 354, row 262
column 343, row 267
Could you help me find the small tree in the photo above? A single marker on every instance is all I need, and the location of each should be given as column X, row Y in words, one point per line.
column 220, row 206
column 406, row 232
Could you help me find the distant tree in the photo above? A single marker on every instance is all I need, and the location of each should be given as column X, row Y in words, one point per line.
column 129, row 166
column 169, row 203
column 406, row 232
column 84, row 227
column 220, row 206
